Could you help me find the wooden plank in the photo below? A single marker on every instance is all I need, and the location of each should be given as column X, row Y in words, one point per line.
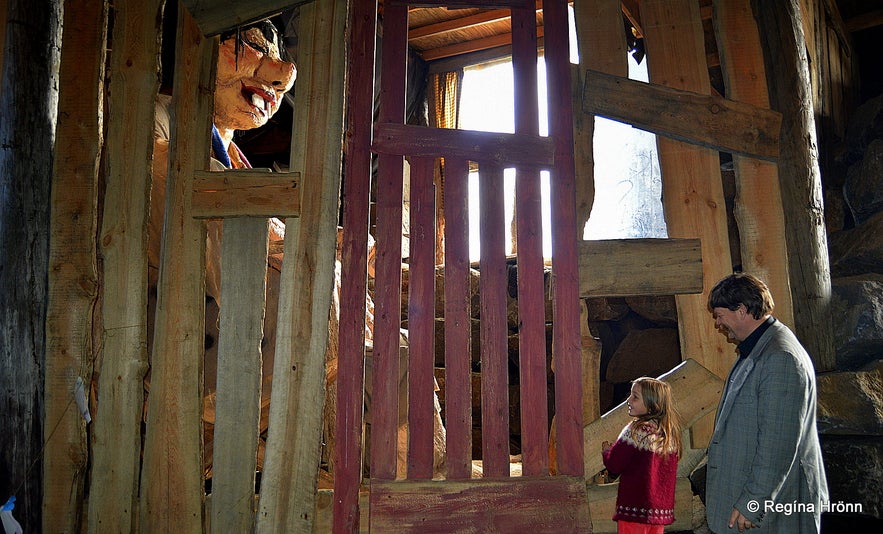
column 421, row 321
column 483, row 147
column 73, row 273
column 864, row 21
column 602, row 505
column 357, row 189
column 494, row 349
column 488, row 4
column 171, row 478
column 701, row 119
column 458, row 327
column 245, row 192
column 625, row 267
column 601, row 41
column 468, row 47
column 696, row 392
column 388, row 259
column 529, row 235
column 215, row 16
column 758, row 205
column 238, row 401
column 692, row 191
column 527, row 504
column 288, row 487
column 117, row 428
column 565, row 269
column 801, row 188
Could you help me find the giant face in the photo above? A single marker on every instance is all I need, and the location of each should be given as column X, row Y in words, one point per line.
column 250, row 84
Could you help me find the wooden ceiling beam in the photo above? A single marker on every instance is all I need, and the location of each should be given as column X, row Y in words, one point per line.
column 863, row 22
column 462, row 23
column 471, row 46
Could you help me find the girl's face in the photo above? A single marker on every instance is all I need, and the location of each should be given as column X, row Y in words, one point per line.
column 635, row 402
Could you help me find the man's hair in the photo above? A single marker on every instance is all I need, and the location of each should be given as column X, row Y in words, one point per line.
column 267, row 28
column 742, row 288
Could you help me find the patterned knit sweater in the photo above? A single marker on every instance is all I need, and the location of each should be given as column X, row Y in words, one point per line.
column 647, row 478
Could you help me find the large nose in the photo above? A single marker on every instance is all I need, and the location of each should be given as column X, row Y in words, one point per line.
column 278, row 73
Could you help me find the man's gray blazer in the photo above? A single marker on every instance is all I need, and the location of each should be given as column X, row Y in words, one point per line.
column 764, row 451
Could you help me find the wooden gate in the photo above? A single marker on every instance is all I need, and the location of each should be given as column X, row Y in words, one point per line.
column 536, row 501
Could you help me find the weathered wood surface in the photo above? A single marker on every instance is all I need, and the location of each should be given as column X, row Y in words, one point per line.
column 525, row 504
column 245, row 193
column 705, row 120
column 602, row 504
column 484, row 147
column 782, row 39
column 696, row 392
column 601, row 42
column 692, row 190
column 758, row 204
column 354, row 259
column 565, row 268
column 117, row 429
column 172, row 468
column 626, row 267
column 421, row 321
column 28, row 111
column 494, row 348
column 388, row 262
column 216, row 17
column 288, row 487
column 534, row 416
column 458, row 329
column 238, row 400
column 73, row 280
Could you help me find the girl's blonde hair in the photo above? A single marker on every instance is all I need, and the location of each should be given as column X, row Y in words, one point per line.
column 660, row 409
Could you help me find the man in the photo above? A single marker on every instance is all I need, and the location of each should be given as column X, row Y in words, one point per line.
column 765, row 449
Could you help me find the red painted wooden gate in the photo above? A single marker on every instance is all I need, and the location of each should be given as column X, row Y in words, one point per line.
column 537, row 501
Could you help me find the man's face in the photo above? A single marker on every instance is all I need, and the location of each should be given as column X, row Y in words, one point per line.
column 729, row 322
column 249, row 89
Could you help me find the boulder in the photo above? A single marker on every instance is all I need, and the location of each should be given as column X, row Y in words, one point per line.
column 863, row 189
column 858, row 250
column 853, row 466
column 851, row 402
column 661, row 310
column 857, row 312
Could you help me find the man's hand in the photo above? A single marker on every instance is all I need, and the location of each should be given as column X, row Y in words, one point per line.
column 739, row 520
column 605, row 446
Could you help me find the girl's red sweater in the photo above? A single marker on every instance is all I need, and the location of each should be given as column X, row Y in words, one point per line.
column 646, row 478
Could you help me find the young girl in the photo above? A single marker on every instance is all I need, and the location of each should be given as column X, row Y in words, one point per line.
column 646, row 457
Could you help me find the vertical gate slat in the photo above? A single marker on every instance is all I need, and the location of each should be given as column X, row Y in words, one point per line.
column 565, row 340
column 458, row 323
column 531, row 318
column 494, row 349
column 421, row 320
column 354, row 260
column 238, row 404
column 388, row 262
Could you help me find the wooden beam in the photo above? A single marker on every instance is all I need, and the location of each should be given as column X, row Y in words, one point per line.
column 216, row 16
column 865, row 21
column 475, row 45
column 624, row 267
column 696, row 392
column 73, row 273
column 701, row 119
column 481, row 505
column 288, row 487
column 463, row 23
column 758, row 204
column 482, row 147
column 245, row 192
column 172, row 486
column 790, row 91
column 238, row 400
